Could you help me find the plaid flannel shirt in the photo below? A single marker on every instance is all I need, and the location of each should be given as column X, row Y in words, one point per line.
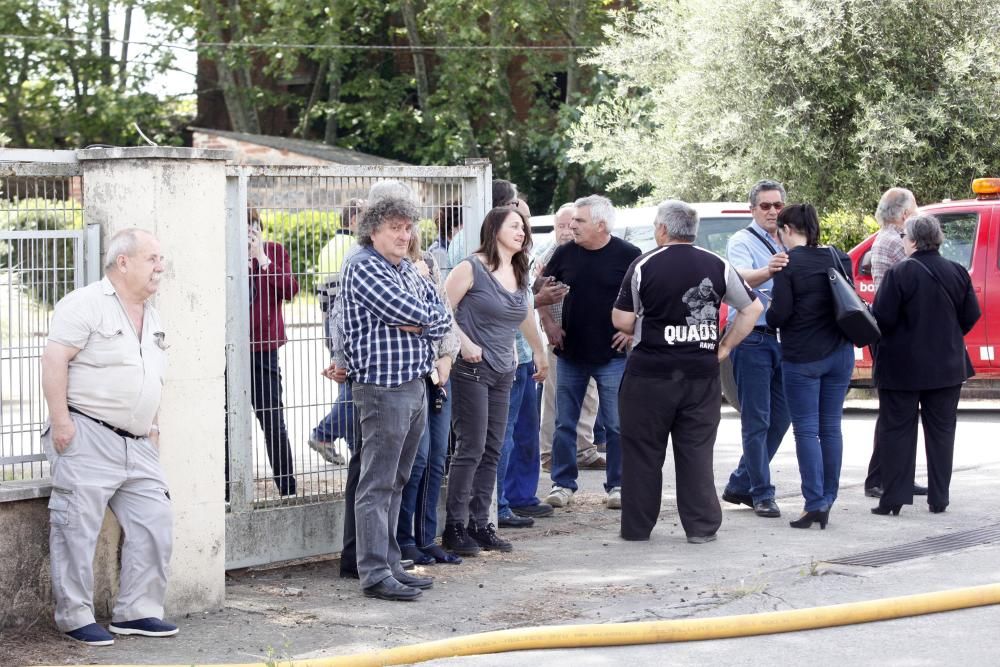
column 376, row 299
column 887, row 250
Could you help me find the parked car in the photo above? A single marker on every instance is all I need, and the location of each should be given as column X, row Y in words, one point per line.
column 972, row 238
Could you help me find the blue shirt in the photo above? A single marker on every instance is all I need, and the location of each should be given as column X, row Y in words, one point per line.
column 745, row 251
column 377, row 297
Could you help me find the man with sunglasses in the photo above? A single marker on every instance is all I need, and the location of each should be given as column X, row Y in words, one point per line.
column 757, row 254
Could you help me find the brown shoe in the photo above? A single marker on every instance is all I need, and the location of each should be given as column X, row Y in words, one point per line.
column 596, row 463
column 546, row 463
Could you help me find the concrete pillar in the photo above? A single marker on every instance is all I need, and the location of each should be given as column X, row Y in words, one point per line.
column 178, row 194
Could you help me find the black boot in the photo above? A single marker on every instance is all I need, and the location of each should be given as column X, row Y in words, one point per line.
column 456, row 539
column 487, row 538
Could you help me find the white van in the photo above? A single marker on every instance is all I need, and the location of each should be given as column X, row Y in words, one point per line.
column 718, row 221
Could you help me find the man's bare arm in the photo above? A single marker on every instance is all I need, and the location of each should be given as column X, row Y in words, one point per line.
column 55, row 377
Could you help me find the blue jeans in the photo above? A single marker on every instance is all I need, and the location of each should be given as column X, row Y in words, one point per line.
column 339, row 422
column 816, row 392
column 572, row 387
column 600, row 433
column 763, row 413
column 522, row 378
column 418, row 509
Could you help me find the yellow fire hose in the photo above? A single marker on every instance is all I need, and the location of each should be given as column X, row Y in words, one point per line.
column 656, row 632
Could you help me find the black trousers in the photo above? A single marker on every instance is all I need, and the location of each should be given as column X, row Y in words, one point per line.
column 686, row 411
column 349, row 553
column 874, row 477
column 897, row 441
column 265, row 397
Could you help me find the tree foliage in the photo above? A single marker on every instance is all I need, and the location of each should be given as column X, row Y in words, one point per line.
column 428, row 106
column 839, row 100
column 66, row 83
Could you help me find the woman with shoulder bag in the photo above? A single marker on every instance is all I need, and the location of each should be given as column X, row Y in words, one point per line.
column 816, row 358
column 925, row 302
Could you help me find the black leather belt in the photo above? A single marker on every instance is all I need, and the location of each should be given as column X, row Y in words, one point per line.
column 118, row 431
column 770, row 331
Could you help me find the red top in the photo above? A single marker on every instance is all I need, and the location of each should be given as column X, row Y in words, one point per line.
column 268, row 288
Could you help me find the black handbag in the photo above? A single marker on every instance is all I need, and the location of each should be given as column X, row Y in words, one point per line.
column 852, row 314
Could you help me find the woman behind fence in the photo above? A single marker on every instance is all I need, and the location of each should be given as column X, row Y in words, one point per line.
column 925, row 303
column 417, row 527
column 816, row 359
column 489, row 293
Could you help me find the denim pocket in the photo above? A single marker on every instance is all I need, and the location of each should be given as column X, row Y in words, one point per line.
column 466, row 370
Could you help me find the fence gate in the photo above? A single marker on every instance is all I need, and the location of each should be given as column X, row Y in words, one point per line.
column 46, row 251
column 285, row 499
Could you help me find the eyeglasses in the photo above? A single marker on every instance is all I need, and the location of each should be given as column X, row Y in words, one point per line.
column 766, row 206
column 902, row 235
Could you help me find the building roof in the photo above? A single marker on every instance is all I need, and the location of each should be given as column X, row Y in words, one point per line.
column 315, row 149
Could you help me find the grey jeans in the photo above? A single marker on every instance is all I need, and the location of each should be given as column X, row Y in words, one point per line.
column 392, row 420
column 479, row 410
column 97, row 470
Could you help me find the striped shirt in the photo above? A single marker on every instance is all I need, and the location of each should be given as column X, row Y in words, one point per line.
column 377, row 297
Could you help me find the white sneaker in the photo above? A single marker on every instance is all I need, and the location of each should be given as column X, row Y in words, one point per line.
column 614, row 499
column 560, row 497
column 328, row 451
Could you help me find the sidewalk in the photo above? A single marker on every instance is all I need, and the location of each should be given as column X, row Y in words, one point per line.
column 573, row 568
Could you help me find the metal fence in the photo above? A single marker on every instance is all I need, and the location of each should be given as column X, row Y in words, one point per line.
column 43, row 242
column 300, row 212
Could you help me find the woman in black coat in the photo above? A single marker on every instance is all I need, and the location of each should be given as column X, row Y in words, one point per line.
column 925, row 303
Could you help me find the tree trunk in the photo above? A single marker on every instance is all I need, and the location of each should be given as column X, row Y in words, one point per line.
column 419, row 64
column 241, row 116
column 106, row 76
column 332, row 99
column 318, row 83
column 123, row 61
column 572, row 67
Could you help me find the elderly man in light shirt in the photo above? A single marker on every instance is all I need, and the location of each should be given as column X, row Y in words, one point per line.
column 102, row 375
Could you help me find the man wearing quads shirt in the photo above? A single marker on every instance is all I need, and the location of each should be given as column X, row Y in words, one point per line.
column 670, row 301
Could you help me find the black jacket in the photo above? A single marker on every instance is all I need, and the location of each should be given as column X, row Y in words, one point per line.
column 922, row 345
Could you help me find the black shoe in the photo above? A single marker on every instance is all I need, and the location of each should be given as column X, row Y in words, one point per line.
column 441, row 556
column 456, row 539
column 487, row 538
column 937, row 509
column 349, row 571
column 415, row 582
column 534, row 511
column 767, row 508
column 390, row 589
column 886, row 509
column 919, row 490
column 737, row 498
column 874, row 491
column 807, row 519
column 416, row 556
column 513, row 521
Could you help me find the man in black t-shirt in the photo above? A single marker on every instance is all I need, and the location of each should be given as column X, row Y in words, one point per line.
column 669, row 301
column 587, row 344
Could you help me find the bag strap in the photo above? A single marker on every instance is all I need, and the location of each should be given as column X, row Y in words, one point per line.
column 936, row 280
column 840, row 267
column 763, row 240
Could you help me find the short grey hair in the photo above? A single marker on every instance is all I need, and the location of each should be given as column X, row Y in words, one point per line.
column 894, row 205
column 600, row 207
column 679, row 219
column 763, row 185
column 925, row 231
column 124, row 242
column 376, row 214
column 390, row 189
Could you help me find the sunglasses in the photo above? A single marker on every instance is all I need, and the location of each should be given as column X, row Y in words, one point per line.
column 767, row 206
column 902, row 235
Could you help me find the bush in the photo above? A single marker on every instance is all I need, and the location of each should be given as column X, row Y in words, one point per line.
column 845, row 229
column 44, row 268
column 303, row 233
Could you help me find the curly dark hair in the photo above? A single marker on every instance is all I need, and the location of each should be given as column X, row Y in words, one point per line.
column 376, row 215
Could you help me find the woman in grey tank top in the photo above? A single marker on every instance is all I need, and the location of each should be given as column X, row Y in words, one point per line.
column 489, row 292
